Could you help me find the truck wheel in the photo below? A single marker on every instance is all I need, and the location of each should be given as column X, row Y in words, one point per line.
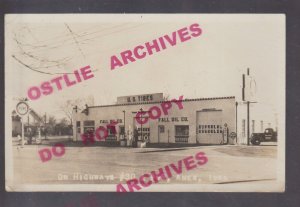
column 255, row 141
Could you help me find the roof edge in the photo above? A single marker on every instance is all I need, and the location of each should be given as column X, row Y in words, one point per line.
column 157, row 102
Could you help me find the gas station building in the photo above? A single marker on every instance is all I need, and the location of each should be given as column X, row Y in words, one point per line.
column 200, row 121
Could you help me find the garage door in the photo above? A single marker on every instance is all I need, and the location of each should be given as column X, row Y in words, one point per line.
column 209, row 127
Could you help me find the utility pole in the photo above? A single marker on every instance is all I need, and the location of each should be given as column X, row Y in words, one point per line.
column 45, row 131
column 248, row 114
column 22, row 109
column 124, row 125
column 22, row 122
column 248, row 122
column 246, row 98
column 236, row 118
column 141, row 124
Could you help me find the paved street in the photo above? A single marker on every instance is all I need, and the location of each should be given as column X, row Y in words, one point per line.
column 98, row 164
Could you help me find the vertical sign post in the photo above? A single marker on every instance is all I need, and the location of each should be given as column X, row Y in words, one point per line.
column 248, row 122
column 248, row 113
column 22, row 123
column 236, row 118
column 248, row 96
column 141, row 124
column 22, row 109
column 124, row 125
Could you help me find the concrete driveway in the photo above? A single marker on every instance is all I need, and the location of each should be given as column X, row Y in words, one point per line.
column 110, row 165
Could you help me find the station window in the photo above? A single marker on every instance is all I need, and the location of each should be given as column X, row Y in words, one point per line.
column 181, row 133
column 111, row 130
column 181, row 130
column 161, row 129
column 122, row 130
column 111, row 133
column 78, row 127
column 89, row 123
column 88, row 126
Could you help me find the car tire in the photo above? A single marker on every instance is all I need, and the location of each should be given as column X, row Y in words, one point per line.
column 255, row 141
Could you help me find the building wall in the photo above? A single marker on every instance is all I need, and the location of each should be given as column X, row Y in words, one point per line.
column 185, row 116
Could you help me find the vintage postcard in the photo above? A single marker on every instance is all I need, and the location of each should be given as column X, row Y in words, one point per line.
column 145, row 102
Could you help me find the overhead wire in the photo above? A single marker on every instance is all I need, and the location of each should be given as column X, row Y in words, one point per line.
column 28, row 54
column 69, row 40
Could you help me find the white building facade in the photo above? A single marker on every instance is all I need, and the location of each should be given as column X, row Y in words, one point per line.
column 200, row 121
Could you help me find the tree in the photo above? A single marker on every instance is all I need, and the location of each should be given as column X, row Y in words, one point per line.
column 67, row 106
column 50, row 126
column 62, row 127
column 63, row 122
column 166, row 97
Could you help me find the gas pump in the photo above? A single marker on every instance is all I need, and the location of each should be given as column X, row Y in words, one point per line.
column 225, row 134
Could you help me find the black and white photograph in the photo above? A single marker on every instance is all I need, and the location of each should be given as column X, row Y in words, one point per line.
column 145, row 102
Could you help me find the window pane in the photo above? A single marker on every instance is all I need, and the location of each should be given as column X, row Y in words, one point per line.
column 111, row 130
column 122, row 130
column 89, row 123
column 181, row 130
column 162, row 129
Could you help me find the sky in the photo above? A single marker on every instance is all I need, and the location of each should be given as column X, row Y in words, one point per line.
column 210, row 65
